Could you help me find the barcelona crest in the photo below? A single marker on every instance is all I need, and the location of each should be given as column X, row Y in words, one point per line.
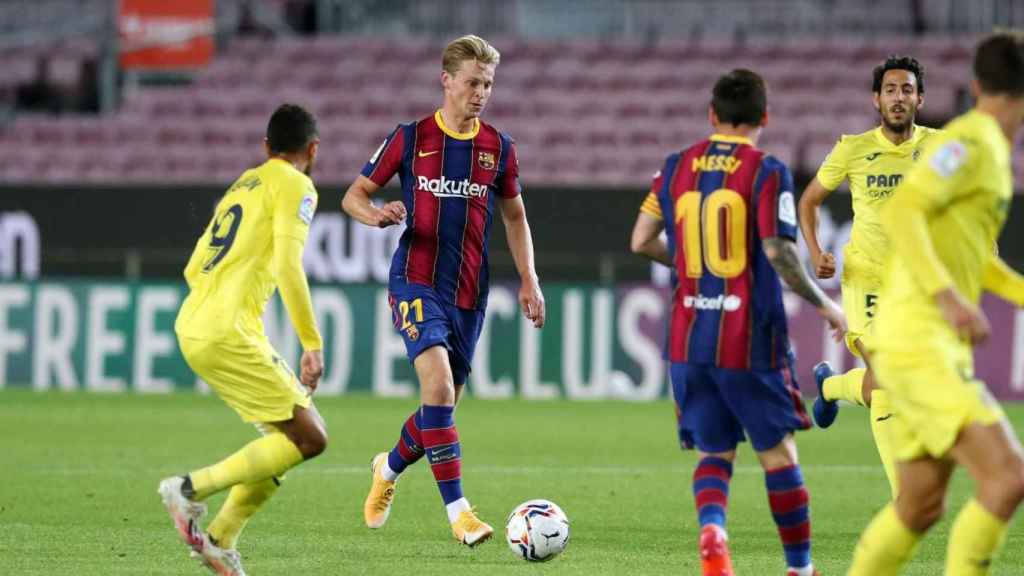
column 486, row 160
column 412, row 332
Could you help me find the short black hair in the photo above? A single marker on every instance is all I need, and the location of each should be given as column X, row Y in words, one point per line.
column 999, row 64
column 894, row 62
column 740, row 97
column 291, row 128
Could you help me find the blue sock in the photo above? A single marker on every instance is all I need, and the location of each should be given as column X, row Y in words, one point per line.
column 441, row 443
column 711, row 490
column 409, row 448
column 790, row 506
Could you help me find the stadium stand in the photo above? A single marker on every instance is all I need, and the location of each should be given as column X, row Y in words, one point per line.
column 585, row 111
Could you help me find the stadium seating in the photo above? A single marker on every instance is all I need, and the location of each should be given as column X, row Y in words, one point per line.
column 583, row 112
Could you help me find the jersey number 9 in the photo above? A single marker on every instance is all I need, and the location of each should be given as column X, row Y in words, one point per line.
column 222, row 237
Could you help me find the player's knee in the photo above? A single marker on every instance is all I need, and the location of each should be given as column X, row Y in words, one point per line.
column 922, row 513
column 1009, row 484
column 313, row 443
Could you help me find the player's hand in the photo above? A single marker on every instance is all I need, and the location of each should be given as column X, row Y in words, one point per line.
column 833, row 314
column 390, row 214
column 967, row 320
column 311, row 369
column 825, row 265
column 531, row 300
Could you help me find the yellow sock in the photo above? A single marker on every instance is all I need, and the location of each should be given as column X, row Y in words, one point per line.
column 881, row 421
column 845, row 387
column 976, row 537
column 271, row 455
column 884, row 547
column 243, row 501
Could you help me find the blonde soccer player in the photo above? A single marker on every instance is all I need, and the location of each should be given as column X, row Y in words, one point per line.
column 943, row 222
column 874, row 163
column 252, row 246
column 456, row 172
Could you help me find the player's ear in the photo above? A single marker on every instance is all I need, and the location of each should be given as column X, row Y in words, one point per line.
column 266, row 147
column 712, row 117
column 975, row 88
column 314, row 148
column 764, row 119
column 874, row 99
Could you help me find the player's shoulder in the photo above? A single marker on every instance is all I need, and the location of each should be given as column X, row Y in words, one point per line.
column 283, row 176
column 771, row 163
column 859, row 140
column 488, row 129
column 927, row 132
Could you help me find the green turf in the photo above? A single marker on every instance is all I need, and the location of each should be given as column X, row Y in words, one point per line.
column 78, row 490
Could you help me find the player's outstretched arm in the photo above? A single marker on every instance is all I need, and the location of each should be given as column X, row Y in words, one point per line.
column 646, row 239
column 520, row 242
column 356, row 203
column 294, row 288
column 783, row 256
column 810, row 202
column 1003, row 281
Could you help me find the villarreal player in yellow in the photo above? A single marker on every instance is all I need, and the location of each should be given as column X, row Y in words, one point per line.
column 253, row 245
column 943, row 222
column 874, row 163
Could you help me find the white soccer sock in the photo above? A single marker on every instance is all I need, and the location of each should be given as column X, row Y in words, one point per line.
column 456, row 508
column 386, row 471
column 805, row 571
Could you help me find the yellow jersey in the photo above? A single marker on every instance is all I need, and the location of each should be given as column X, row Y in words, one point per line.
column 231, row 274
column 874, row 167
column 943, row 223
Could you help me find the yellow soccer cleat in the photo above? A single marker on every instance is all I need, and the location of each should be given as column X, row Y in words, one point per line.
column 382, row 492
column 470, row 530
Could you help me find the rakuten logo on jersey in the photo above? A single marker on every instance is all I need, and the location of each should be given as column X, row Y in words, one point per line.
column 721, row 302
column 445, row 188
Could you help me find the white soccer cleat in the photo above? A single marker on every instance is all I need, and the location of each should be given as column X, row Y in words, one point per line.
column 221, row 561
column 184, row 512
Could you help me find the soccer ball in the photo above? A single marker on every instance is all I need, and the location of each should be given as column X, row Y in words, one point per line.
column 537, row 530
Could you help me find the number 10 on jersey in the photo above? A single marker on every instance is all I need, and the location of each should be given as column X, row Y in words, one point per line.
column 715, row 233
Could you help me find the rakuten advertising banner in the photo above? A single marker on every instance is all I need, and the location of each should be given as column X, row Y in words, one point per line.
column 599, row 342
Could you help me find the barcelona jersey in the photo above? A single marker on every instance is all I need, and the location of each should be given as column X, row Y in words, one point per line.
column 449, row 182
column 720, row 199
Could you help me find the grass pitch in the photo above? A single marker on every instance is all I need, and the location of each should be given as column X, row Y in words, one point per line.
column 78, row 490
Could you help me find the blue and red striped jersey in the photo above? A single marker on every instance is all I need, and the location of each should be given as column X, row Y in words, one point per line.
column 720, row 198
column 449, row 181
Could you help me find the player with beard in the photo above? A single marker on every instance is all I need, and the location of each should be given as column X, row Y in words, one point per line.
column 251, row 248
column 873, row 163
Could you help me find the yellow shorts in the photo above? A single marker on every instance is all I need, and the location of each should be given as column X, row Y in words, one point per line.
column 859, row 305
column 248, row 375
column 935, row 395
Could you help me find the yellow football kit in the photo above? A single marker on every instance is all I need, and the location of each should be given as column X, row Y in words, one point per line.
column 252, row 245
column 942, row 223
column 874, row 167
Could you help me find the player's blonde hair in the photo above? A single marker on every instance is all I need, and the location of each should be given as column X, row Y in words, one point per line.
column 469, row 47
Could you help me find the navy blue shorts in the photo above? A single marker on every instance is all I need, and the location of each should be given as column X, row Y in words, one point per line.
column 424, row 320
column 715, row 406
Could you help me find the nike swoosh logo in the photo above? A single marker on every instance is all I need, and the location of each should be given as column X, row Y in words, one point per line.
column 423, row 154
column 883, row 418
column 871, row 157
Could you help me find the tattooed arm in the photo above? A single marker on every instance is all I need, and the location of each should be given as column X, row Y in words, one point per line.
column 782, row 254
